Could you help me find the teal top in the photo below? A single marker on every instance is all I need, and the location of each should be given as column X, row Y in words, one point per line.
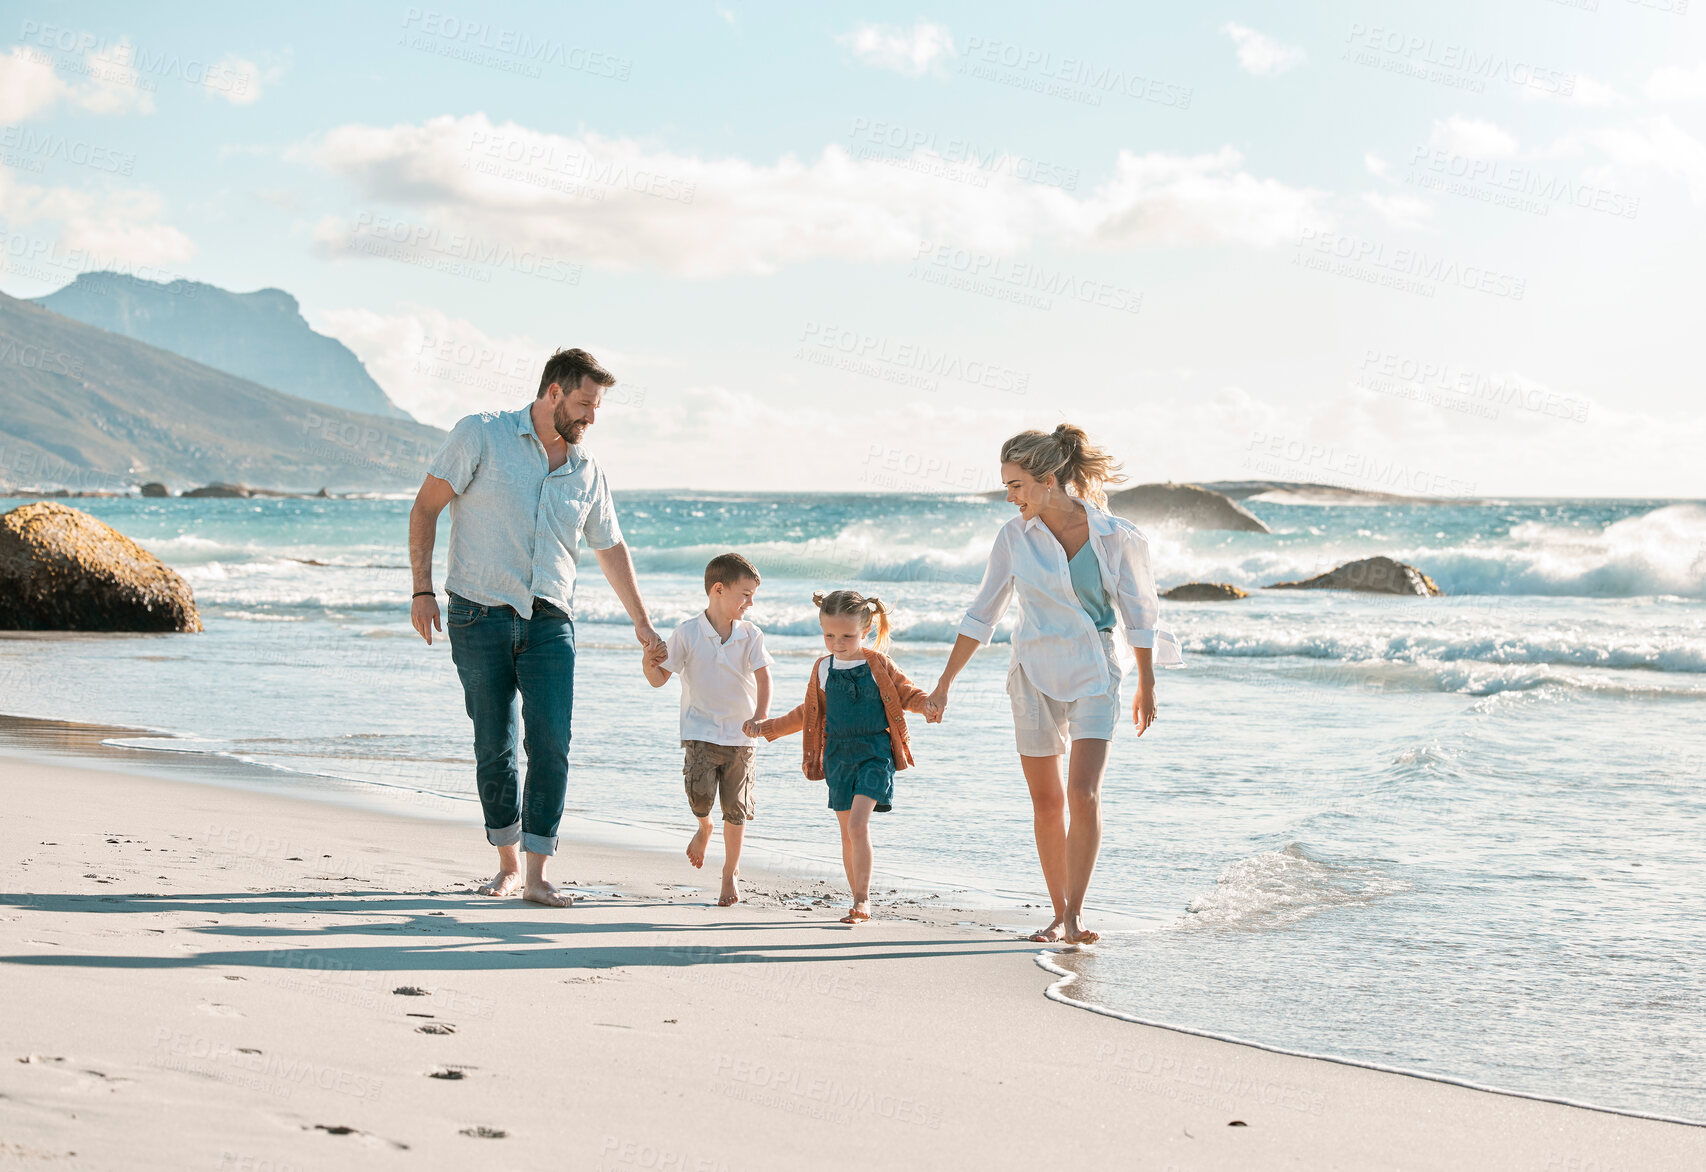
column 1087, row 584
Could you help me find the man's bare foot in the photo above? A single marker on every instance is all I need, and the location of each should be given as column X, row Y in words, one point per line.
column 731, row 891
column 541, row 892
column 696, row 848
column 503, row 883
column 1052, row 934
column 859, row 914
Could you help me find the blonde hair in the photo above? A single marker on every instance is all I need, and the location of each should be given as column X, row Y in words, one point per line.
column 1067, row 454
column 837, row 602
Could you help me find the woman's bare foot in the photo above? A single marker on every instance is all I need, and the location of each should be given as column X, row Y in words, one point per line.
column 503, row 883
column 1077, row 933
column 859, row 914
column 1053, row 934
column 696, row 848
column 731, row 891
column 547, row 894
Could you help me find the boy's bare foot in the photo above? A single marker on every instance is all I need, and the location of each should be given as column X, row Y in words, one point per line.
column 503, row 883
column 860, row 913
column 544, row 893
column 696, row 848
column 1053, row 934
column 731, row 891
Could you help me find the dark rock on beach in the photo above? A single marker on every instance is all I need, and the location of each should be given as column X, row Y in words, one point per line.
column 1183, row 506
column 220, row 489
column 62, row 570
column 155, row 489
column 1377, row 575
column 1204, row 592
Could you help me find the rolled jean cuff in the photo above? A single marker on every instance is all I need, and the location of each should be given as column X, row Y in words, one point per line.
column 505, row 835
column 539, row 844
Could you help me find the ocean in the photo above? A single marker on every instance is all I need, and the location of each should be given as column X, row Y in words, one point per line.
column 1464, row 836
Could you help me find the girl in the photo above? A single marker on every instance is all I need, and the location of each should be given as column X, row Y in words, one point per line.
column 1081, row 577
column 855, row 727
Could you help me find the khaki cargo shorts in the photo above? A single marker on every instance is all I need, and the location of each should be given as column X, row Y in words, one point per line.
column 722, row 772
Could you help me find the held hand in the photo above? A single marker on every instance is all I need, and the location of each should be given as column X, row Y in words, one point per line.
column 423, row 616
column 1143, row 704
column 936, row 704
column 754, row 727
column 648, row 637
column 653, row 654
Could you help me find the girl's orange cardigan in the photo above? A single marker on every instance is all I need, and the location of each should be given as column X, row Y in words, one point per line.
column 900, row 696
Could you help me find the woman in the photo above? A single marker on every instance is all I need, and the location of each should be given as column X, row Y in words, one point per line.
column 1086, row 603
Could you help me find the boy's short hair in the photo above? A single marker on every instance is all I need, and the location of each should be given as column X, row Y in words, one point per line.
column 728, row 568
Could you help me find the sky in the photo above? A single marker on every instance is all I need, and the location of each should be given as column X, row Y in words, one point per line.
column 1451, row 249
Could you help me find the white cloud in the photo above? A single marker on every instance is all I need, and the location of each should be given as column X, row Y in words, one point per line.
column 1585, row 92
column 1458, row 135
column 118, row 228
column 240, row 81
column 1262, row 55
column 30, row 85
column 914, row 51
column 726, row 13
column 435, row 366
column 1377, row 166
column 1673, row 83
column 620, row 204
column 1200, row 199
column 1657, row 144
column 1401, row 211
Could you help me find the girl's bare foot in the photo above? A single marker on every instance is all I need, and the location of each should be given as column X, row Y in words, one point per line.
column 503, row 883
column 731, row 891
column 696, row 848
column 544, row 893
column 1053, row 934
column 859, row 914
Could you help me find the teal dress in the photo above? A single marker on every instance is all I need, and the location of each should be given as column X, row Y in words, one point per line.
column 1086, row 574
column 858, row 757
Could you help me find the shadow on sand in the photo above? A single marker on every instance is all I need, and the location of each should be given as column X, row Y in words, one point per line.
column 547, row 939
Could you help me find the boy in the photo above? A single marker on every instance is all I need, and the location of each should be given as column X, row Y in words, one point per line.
column 725, row 691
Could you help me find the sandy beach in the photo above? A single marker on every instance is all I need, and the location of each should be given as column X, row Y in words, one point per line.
column 199, row 976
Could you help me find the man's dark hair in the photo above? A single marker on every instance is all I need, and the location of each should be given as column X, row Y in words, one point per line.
column 728, row 568
column 567, row 367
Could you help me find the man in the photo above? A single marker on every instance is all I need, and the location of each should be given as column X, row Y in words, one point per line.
column 524, row 494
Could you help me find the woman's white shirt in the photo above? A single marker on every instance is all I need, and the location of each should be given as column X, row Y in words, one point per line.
column 1054, row 640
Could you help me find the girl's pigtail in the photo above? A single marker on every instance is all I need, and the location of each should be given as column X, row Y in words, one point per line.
column 880, row 641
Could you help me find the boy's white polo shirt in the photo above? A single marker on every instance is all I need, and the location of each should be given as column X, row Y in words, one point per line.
column 718, row 688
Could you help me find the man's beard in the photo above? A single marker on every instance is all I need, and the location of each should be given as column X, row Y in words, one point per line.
column 570, row 429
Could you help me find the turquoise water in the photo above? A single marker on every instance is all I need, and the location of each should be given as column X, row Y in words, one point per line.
column 1463, row 835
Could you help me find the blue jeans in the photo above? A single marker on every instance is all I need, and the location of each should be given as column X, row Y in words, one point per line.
column 499, row 653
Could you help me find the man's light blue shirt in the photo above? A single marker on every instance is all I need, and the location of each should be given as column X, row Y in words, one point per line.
column 516, row 525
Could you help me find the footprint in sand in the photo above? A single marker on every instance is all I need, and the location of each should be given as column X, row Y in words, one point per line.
column 484, row 1133
column 436, row 1027
column 410, row 991
column 449, row 1073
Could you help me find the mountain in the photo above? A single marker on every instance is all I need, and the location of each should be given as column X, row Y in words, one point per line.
column 259, row 336
column 88, row 409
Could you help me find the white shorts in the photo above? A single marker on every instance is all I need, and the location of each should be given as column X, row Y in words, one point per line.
column 1042, row 725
